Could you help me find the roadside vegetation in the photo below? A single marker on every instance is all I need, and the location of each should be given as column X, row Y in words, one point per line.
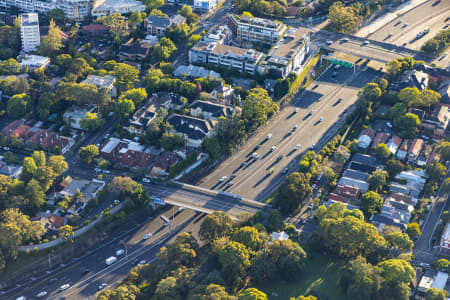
column 438, row 44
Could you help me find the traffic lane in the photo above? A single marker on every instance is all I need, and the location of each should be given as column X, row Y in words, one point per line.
column 357, row 48
column 413, row 18
column 121, row 268
column 94, row 261
column 308, row 133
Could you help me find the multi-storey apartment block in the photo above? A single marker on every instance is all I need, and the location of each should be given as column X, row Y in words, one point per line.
column 256, row 30
column 29, row 32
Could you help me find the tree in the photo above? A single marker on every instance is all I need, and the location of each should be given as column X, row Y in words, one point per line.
column 151, row 4
column 213, row 292
column 444, row 150
column 35, row 194
column 413, row 230
column 215, row 225
column 435, row 171
column 126, row 75
column 409, row 96
column 28, row 168
column 163, row 50
column 371, row 202
column 58, row 164
column 378, row 180
column 118, row 27
column 136, row 95
column 429, row 98
column 442, row 264
column 396, row 111
column 193, row 39
column 79, row 67
column 234, row 259
column 252, row 294
column 123, row 109
column 360, row 280
column 88, row 153
column 294, row 190
column 135, row 20
column 248, row 236
column 181, row 253
column 91, row 122
column 400, row 241
column 57, row 15
column 51, row 43
column 179, row 33
column 304, row 298
column 170, row 141
column 408, row 125
column 257, row 108
column 343, row 19
column 185, row 11
column 288, row 257
column 393, row 167
column 39, row 158
column 18, row 106
column 396, row 271
column 45, row 176
column 370, row 92
column 446, row 185
column 9, row 67
column 382, row 151
column 435, row 294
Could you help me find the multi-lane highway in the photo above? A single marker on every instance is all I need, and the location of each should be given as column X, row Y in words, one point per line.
column 403, row 30
column 254, row 181
column 83, row 286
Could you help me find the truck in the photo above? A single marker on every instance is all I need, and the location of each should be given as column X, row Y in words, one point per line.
column 110, row 260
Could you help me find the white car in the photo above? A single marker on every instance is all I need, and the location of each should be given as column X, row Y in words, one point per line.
column 273, row 148
column 97, row 170
column 389, row 124
column 180, row 209
column 116, row 202
column 297, row 147
column 142, row 262
column 102, row 286
column 120, row 252
column 6, row 148
column 223, row 178
column 297, row 110
column 146, row 180
column 366, row 43
column 329, row 42
column 64, row 287
column 147, row 236
column 268, row 136
column 345, row 39
column 107, row 171
column 21, row 298
column 41, row 294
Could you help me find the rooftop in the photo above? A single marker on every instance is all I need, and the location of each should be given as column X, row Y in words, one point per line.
column 159, row 21
column 288, row 46
column 226, row 50
column 33, row 60
column 117, row 5
column 100, row 81
column 257, row 22
column 29, row 19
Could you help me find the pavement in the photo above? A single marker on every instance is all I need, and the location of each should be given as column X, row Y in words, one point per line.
column 253, row 181
column 137, row 249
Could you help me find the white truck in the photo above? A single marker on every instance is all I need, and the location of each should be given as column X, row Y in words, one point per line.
column 110, row 260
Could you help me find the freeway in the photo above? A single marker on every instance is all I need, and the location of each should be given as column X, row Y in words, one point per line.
column 137, row 249
column 253, row 181
column 403, row 30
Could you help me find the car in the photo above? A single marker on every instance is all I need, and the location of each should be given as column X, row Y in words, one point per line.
column 243, row 164
column 334, row 74
column 85, row 271
column 136, row 262
column 310, row 205
column 116, row 202
column 444, row 56
column 51, row 280
column 446, row 26
column 147, row 236
column 223, row 178
column 64, row 287
column 102, row 286
column 297, row 110
column 232, row 176
column 404, row 25
column 268, row 137
column 337, row 67
column 295, row 127
column 426, row 31
column 315, row 86
column 62, row 298
column 255, row 155
column 41, row 294
column 297, row 147
column 310, row 113
column 6, row 148
column 365, row 43
column 279, row 158
column 339, row 101
column 97, row 170
column 107, row 171
column 285, row 170
column 273, row 148
column 389, row 35
column 21, row 298
column 345, row 40
column 321, row 119
column 120, row 252
column 180, row 209
column 98, row 145
column 314, row 186
column 230, row 183
column 389, row 124
column 146, row 180
column 329, row 42
column 141, row 262
column 313, row 146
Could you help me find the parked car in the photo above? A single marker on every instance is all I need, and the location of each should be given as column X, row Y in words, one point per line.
column 365, row 43
column 97, row 170
column 297, row 147
column 285, row 170
column 268, row 137
column 146, row 180
column 223, row 178
column 102, row 286
column 6, row 148
column 147, row 236
column 41, row 294
column 64, row 287
column 273, row 148
column 142, row 262
column 295, row 127
column 120, row 252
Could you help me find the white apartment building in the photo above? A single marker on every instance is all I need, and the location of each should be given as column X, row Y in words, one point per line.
column 244, row 60
column 256, row 30
column 29, row 32
column 104, row 8
column 73, row 9
column 205, row 4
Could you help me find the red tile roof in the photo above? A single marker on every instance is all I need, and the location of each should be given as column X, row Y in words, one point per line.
column 335, row 197
column 347, row 191
column 57, row 221
column 166, row 159
column 380, row 138
column 9, row 129
column 415, row 148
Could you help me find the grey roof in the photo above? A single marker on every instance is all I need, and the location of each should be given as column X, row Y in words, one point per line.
column 217, row 110
column 11, row 170
column 178, row 19
column 193, row 128
column 362, row 185
column 366, row 159
column 380, row 219
column 361, row 167
column 159, row 21
column 195, row 72
column 356, row 175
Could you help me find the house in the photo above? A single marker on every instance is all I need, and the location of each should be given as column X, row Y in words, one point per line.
column 133, row 51
column 424, row 155
column 279, row 236
column 403, row 149
column 414, row 150
column 16, row 128
column 219, row 34
column 445, row 240
column 33, row 62
column 103, row 82
column 141, row 119
column 380, row 138
column 50, row 222
column 437, row 121
column 393, row 144
column 149, row 41
column 10, row 171
column 402, row 198
column 163, row 164
column 156, row 25
column 415, row 180
column 194, row 130
column 177, row 20
column 365, row 138
column 380, row 221
column 358, row 175
column 357, row 166
column 193, row 72
column 88, row 188
column 171, row 101
column 363, row 186
column 444, row 91
column 397, row 211
column 440, row 281
column 434, row 156
column 426, row 282
column 418, row 112
column 366, row 160
column 335, row 197
column 205, row 5
column 349, row 192
column 222, row 92
column 209, row 110
column 74, row 115
column 95, row 30
column 127, row 153
column 411, row 78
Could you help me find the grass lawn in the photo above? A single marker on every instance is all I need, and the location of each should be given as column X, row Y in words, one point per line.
column 321, row 277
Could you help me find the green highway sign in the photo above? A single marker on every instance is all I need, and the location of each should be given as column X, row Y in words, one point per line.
column 341, row 62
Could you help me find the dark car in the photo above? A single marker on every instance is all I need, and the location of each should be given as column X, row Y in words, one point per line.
column 232, row 176
column 84, row 272
column 279, row 158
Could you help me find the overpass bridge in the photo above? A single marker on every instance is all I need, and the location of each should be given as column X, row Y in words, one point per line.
column 204, row 200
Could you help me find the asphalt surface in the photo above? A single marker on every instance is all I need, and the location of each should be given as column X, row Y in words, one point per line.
column 431, row 15
column 84, row 287
column 253, row 181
